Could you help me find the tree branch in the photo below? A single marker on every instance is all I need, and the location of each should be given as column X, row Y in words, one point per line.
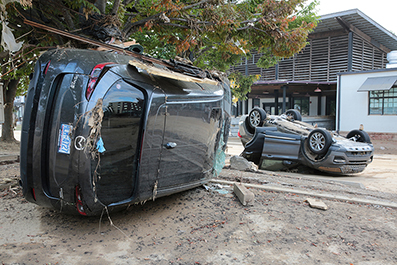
column 116, row 6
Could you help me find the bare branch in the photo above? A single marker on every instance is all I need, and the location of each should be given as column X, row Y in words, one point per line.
column 195, row 5
column 174, row 25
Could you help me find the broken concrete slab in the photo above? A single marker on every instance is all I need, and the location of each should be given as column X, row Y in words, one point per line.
column 240, row 163
column 317, row 204
column 8, row 159
column 243, row 194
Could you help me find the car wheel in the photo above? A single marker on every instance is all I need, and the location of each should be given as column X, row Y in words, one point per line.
column 359, row 136
column 319, row 141
column 295, row 114
column 256, row 118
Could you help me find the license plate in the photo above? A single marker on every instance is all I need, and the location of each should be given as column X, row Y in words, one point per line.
column 64, row 139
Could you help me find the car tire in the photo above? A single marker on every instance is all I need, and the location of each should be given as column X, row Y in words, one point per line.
column 319, row 140
column 295, row 114
column 359, row 136
column 256, row 118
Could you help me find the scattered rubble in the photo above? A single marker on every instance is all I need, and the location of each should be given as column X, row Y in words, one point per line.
column 243, row 194
column 240, row 163
column 316, row 204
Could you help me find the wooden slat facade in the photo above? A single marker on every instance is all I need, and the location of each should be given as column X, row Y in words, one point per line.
column 319, row 61
column 311, row 73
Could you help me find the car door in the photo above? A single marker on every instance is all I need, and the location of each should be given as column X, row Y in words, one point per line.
column 193, row 118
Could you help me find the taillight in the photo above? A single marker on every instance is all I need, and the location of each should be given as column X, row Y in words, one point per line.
column 79, row 202
column 34, row 194
column 238, row 134
column 46, row 67
column 93, row 79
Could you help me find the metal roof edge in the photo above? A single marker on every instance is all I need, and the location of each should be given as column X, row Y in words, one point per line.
column 287, row 82
column 376, row 24
column 338, row 14
column 360, row 13
column 368, row 71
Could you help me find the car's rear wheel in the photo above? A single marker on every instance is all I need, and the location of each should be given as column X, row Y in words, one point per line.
column 294, row 114
column 319, row 141
column 359, row 136
column 256, row 118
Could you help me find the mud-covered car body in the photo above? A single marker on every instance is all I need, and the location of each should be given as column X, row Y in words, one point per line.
column 284, row 138
column 103, row 129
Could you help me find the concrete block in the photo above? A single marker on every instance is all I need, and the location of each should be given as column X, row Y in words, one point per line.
column 245, row 196
column 317, row 204
column 240, row 163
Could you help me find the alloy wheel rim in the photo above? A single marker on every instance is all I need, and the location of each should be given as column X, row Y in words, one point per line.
column 317, row 141
column 255, row 118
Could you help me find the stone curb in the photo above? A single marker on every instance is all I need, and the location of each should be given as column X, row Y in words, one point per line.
column 314, row 194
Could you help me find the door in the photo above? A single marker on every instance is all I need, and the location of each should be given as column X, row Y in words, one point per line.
column 191, row 129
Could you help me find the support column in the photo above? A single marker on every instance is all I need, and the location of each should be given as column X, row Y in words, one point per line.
column 284, row 97
column 350, row 53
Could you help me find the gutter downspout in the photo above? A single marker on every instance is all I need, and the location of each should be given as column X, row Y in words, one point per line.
column 338, row 105
column 284, row 97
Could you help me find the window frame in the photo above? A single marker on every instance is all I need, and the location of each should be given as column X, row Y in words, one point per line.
column 382, row 95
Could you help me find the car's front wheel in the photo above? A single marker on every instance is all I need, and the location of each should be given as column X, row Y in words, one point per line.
column 319, row 141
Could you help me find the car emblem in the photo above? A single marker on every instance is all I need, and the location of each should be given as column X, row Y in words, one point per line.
column 79, row 143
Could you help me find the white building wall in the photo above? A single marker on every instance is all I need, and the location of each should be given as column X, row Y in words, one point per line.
column 353, row 105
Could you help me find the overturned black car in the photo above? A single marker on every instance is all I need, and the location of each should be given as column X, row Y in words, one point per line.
column 288, row 139
column 106, row 130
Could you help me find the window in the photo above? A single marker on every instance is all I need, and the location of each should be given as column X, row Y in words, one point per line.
column 256, row 102
column 123, row 107
column 302, row 105
column 383, row 102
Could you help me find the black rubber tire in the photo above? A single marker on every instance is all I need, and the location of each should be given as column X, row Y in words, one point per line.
column 295, row 114
column 360, row 136
column 256, row 118
column 319, row 140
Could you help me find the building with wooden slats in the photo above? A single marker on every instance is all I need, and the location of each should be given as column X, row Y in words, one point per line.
column 346, row 41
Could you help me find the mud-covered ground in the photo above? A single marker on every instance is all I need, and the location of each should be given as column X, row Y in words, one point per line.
column 206, row 225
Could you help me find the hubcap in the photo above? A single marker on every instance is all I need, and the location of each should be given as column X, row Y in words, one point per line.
column 255, row 118
column 317, row 141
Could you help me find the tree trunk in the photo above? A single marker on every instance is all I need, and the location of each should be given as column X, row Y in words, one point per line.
column 10, row 87
column 101, row 5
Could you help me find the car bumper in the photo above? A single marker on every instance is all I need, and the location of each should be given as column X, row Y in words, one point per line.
column 342, row 162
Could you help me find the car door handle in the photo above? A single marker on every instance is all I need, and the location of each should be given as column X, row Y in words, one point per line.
column 170, row 145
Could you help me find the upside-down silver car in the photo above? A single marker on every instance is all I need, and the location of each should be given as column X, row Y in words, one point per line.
column 286, row 138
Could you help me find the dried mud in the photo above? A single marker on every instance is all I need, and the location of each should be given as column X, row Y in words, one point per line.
column 203, row 226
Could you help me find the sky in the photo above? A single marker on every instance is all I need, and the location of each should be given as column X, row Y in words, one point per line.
column 383, row 12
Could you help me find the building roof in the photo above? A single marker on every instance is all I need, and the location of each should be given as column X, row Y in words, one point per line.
column 362, row 22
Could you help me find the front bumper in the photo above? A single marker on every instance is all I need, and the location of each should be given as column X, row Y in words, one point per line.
column 343, row 160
